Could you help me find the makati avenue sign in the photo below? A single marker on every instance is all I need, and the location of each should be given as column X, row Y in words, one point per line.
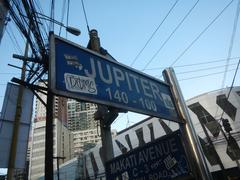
column 80, row 73
column 163, row 158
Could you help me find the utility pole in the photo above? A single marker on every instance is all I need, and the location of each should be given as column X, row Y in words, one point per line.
column 16, row 124
column 49, row 135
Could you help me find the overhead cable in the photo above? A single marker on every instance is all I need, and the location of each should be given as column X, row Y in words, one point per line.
column 155, row 31
column 231, row 87
column 195, row 77
column 231, row 42
column 14, row 41
column 68, row 5
column 195, row 64
column 169, row 37
column 62, row 16
column 204, row 69
column 202, row 32
column 85, row 15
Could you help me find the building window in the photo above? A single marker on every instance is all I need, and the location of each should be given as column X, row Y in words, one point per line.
column 205, row 118
column 226, row 106
column 139, row 133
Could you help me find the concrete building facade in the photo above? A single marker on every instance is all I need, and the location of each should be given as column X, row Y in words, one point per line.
column 80, row 115
column 62, row 137
column 86, row 133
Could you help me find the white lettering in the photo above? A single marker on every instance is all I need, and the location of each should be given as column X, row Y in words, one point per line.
column 93, row 75
column 146, row 88
column 118, row 75
column 109, row 74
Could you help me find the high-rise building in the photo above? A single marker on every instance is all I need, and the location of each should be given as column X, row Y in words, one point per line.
column 62, row 137
column 84, row 127
column 81, row 115
column 85, row 139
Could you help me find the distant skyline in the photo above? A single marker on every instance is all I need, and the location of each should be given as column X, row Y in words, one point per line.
column 124, row 28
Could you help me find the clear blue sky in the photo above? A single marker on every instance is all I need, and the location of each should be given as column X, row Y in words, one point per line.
column 125, row 26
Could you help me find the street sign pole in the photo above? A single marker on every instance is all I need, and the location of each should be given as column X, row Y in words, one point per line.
column 200, row 168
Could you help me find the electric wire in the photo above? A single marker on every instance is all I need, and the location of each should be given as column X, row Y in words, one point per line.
column 231, row 42
column 172, row 33
column 23, row 38
column 68, row 5
column 85, row 15
column 201, row 33
column 14, row 42
column 196, row 77
column 153, row 34
column 196, row 64
column 43, row 23
column 62, row 17
column 230, row 48
column 231, row 87
column 204, row 69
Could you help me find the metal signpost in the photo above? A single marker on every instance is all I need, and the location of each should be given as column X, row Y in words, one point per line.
column 163, row 158
column 193, row 147
column 80, row 73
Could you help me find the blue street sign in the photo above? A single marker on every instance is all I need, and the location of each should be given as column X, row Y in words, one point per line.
column 163, row 158
column 79, row 73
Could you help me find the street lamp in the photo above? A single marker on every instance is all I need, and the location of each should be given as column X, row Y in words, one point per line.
column 69, row 29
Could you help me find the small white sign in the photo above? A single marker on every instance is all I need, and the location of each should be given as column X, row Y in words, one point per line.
column 80, row 84
column 167, row 101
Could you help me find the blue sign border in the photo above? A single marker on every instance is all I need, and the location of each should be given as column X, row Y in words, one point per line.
column 64, row 64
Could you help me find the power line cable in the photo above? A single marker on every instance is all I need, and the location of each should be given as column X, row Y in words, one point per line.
column 230, row 47
column 85, row 15
column 68, row 4
column 14, row 42
column 10, row 73
column 62, row 17
column 231, row 87
column 169, row 37
column 155, row 31
column 196, row 77
column 44, row 24
column 231, row 42
column 204, row 30
column 195, row 64
column 204, row 69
